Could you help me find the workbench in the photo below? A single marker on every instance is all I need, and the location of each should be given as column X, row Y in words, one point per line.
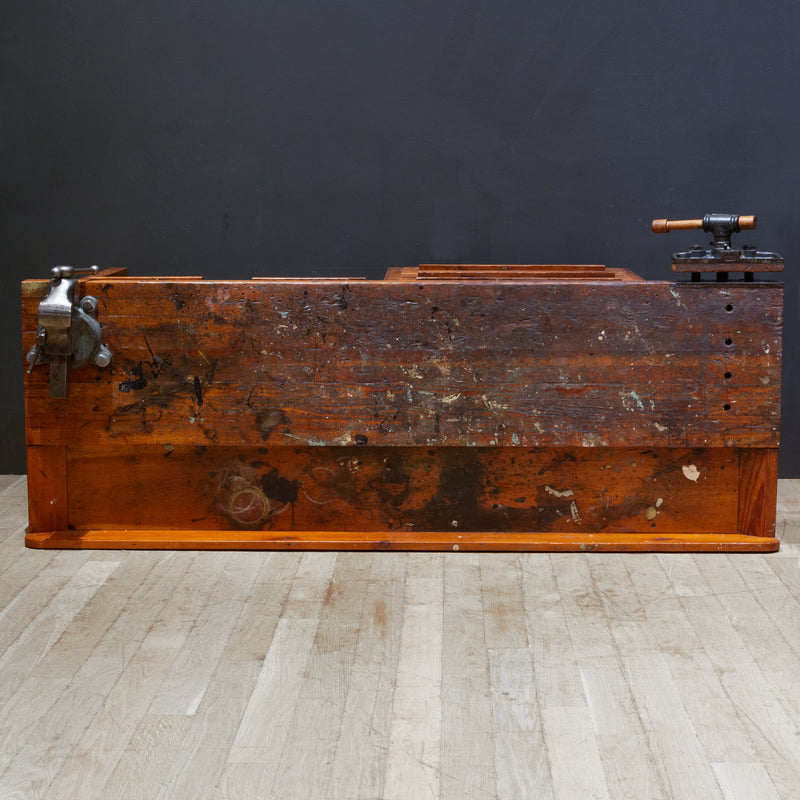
column 457, row 407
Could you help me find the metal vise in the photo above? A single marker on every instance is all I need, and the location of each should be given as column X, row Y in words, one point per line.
column 719, row 257
column 68, row 334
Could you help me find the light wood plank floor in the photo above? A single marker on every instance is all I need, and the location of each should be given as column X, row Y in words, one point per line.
column 383, row 675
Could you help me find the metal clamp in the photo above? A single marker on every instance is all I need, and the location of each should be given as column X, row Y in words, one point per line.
column 68, row 334
column 719, row 257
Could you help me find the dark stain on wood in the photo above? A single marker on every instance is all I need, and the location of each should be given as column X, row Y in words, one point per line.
column 156, row 362
column 410, row 489
column 277, row 488
column 392, row 485
column 456, row 503
column 198, row 391
column 137, row 382
column 380, row 617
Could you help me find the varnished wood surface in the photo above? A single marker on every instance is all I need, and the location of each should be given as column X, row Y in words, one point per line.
column 406, row 498
column 428, row 363
column 528, row 272
column 758, row 484
column 573, row 413
column 194, row 539
column 217, row 675
column 48, row 496
column 402, row 490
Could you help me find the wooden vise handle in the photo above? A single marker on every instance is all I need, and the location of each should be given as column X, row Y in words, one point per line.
column 667, row 225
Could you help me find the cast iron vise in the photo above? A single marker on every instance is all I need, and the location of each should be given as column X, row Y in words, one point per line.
column 68, row 334
column 719, row 257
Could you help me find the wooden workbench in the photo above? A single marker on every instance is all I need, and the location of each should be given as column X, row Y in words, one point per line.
column 445, row 407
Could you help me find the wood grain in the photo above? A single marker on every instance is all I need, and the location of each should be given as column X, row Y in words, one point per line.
column 413, row 757
column 439, row 409
column 466, row 694
column 528, row 272
column 403, row 490
column 758, row 484
column 503, row 606
column 306, row 763
column 522, row 763
column 645, row 675
column 574, row 758
column 185, row 686
column 685, row 768
column 279, row 680
column 149, row 632
column 357, row 769
column 426, row 363
column 48, row 496
column 743, row 781
column 407, row 498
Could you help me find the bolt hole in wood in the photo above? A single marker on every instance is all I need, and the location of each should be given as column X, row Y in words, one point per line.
column 729, row 341
column 727, row 407
column 729, row 307
column 728, row 376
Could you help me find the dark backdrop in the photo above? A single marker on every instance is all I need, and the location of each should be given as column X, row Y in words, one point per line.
column 233, row 139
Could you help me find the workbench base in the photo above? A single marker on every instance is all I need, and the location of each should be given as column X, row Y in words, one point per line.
column 331, row 540
column 480, row 499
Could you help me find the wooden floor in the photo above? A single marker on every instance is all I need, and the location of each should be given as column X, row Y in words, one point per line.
column 390, row 675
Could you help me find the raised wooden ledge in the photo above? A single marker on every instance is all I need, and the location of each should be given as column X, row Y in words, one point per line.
column 364, row 540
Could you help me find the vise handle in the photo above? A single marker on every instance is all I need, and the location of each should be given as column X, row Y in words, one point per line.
column 736, row 223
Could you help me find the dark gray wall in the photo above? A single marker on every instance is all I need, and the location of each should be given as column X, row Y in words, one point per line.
column 233, row 139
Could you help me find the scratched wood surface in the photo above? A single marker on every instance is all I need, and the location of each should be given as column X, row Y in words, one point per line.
column 433, row 363
column 482, row 498
column 358, row 676
column 403, row 490
column 423, row 413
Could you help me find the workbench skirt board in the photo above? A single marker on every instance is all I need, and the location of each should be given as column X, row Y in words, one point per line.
column 403, row 498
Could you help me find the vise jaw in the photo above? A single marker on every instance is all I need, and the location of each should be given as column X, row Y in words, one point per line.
column 68, row 333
